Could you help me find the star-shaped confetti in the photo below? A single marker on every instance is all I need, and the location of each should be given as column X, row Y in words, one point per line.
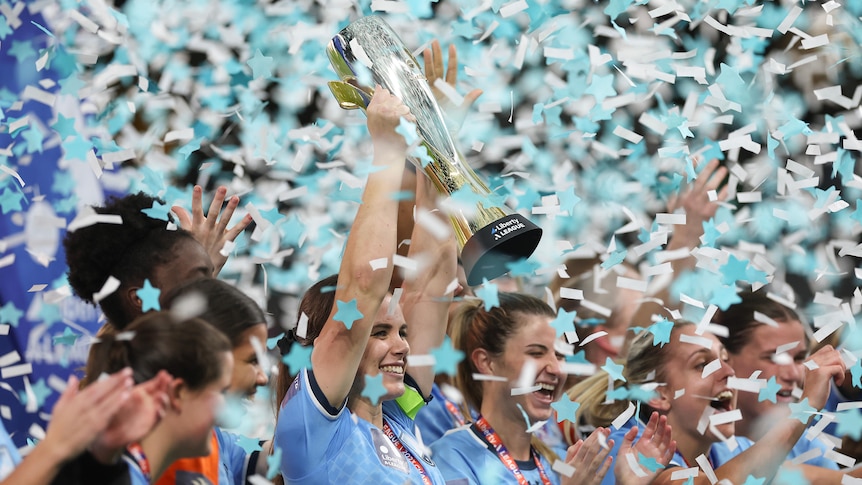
column 149, row 296
column 614, row 259
column 273, row 463
column 724, row 296
column 566, row 409
column 374, row 388
column 733, row 270
column 488, row 294
column 250, row 445
column 752, row 480
column 10, row 314
column 522, row 267
column 650, row 464
column 801, row 410
column 299, row 357
column 158, row 211
column 856, row 374
column 68, row 338
column 446, row 358
column 10, row 200
column 769, row 392
column 849, row 424
column 614, row 370
column 564, row 322
column 261, row 65
column 661, row 332
column 77, row 147
column 347, row 313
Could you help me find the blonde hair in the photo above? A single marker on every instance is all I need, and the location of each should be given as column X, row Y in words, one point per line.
column 645, row 363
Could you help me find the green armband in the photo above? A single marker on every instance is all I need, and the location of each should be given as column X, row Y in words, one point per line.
column 410, row 402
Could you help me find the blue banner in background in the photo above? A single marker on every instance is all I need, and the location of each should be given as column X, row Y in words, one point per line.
column 44, row 330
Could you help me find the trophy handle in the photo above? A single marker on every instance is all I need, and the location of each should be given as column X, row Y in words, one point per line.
column 349, row 96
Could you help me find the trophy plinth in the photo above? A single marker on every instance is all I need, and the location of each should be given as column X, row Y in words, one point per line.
column 490, row 237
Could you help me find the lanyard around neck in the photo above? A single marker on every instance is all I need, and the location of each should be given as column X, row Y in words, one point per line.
column 493, row 438
column 137, row 454
column 407, row 454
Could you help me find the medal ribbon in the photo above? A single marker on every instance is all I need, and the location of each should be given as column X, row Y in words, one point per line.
column 493, row 438
column 407, row 454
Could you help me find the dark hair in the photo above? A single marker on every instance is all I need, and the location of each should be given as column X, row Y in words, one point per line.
column 129, row 252
column 228, row 309
column 189, row 350
column 475, row 328
column 739, row 318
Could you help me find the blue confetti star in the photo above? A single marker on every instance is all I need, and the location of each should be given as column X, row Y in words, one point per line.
column 522, row 267
column 347, row 313
column 565, row 321
column 616, row 7
column 22, row 50
column 614, row 370
column 273, row 463
column 71, row 85
column 261, row 65
column 149, row 296
column 298, row 358
column 661, row 332
column 446, row 358
column 10, row 314
column 34, row 138
column 10, row 201
column 77, row 148
column 769, row 392
column 65, row 127
column 250, row 445
column 751, row 480
column 650, row 464
column 50, row 314
column 190, row 147
column 791, row 475
column 464, row 29
column 40, row 391
column 568, row 200
column 856, row 374
column 801, row 410
column 724, row 296
column 601, row 87
column 272, row 215
column 273, row 341
column 157, row 211
column 733, row 270
column 374, row 388
column 407, row 129
column 68, row 338
column 614, row 259
column 566, row 409
column 849, row 424
column 488, row 294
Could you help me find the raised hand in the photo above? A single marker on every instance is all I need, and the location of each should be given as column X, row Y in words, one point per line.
column 589, row 459
column 433, row 58
column 695, row 202
column 384, row 114
column 211, row 229
column 655, row 444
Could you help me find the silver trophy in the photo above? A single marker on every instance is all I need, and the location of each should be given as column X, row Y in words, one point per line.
column 490, row 237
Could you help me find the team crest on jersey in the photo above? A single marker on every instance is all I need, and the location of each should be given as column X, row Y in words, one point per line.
column 388, row 455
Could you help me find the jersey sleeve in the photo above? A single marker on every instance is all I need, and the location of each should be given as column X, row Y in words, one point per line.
column 233, row 457
column 309, row 429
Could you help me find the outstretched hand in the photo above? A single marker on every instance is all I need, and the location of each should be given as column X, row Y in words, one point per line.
column 142, row 410
column 433, row 58
column 655, row 444
column 694, row 200
column 211, row 229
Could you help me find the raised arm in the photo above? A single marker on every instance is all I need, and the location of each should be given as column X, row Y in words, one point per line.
column 339, row 348
column 428, row 293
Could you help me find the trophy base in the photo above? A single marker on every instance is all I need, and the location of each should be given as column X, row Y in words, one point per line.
column 506, row 240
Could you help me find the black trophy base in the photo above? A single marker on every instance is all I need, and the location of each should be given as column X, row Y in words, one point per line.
column 489, row 251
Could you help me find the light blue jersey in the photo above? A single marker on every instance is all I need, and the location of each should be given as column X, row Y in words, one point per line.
column 9, row 456
column 435, row 418
column 465, row 458
column 321, row 444
column 236, row 464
